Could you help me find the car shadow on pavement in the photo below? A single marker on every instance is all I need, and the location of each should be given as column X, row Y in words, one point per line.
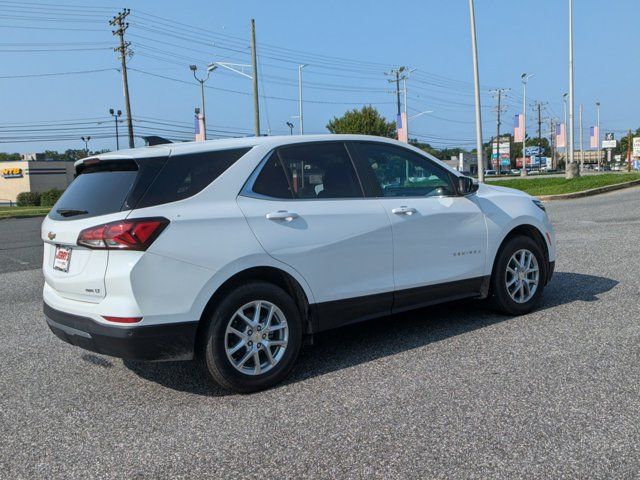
column 363, row 342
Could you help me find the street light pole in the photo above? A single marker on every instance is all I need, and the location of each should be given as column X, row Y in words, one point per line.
column 598, row 139
column 300, row 112
column 572, row 169
column 525, row 78
column 564, row 106
column 290, row 125
column 86, row 144
column 581, row 136
column 194, row 68
column 476, row 79
column 115, row 116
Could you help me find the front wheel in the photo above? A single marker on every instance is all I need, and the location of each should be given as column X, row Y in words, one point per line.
column 517, row 281
column 254, row 338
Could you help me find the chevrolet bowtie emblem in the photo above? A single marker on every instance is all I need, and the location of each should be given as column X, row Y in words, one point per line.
column 51, row 235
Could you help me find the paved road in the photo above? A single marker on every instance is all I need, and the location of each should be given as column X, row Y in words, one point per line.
column 450, row 392
column 20, row 245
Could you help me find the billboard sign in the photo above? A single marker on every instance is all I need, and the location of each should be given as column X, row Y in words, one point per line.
column 636, row 146
column 532, row 151
column 609, row 144
column 11, row 173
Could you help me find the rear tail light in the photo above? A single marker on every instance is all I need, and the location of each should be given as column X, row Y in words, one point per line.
column 134, row 234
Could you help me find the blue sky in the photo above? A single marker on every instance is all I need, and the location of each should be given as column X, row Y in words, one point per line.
column 347, row 44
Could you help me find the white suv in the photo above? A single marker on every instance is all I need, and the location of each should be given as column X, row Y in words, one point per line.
column 234, row 251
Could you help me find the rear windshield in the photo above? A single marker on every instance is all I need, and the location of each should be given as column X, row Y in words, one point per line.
column 99, row 189
column 112, row 186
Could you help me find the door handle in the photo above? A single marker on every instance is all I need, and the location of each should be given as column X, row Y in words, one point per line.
column 404, row 210
column 282, row 215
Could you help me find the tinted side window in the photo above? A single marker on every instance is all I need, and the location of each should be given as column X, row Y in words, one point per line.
column 185, row 175
column 318, row 170
column 272, row 180
column 402, row 173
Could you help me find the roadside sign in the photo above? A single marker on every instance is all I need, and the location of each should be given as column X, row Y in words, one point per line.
column 636, row 146
column 609, row 136
column 609, row 143
column 532, row 151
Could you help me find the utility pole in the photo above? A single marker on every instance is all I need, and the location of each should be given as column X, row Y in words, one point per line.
column 406, row 103
column 552, row 144
column 538, row 106
column 402, row 129
column 499, row 110
column 120, row 27
column 300, row 112
column 572, row 169
column 598, row 139
column 254, row 64
column 629, row 143
column 399, row 75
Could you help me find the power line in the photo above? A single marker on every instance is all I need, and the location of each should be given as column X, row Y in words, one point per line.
column 326, row 102
column 53, row 74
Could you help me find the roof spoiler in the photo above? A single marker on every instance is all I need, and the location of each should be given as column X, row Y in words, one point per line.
column 152, row 140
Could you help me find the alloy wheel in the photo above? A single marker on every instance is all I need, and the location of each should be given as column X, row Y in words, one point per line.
column 522, row 276
column 256, row 337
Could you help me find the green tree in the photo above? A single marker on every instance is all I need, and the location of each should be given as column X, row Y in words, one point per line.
column 426, row 147
column 366, row 121
column 7, row 157
column 622, row 144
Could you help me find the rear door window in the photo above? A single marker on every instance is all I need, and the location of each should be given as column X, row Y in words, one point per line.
column 309, row 171
column 185, row 175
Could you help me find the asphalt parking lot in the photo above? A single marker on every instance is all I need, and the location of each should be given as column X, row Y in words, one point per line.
column 449, row 392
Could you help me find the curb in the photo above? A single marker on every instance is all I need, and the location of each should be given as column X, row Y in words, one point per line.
column 589, row 193
column 22, row 216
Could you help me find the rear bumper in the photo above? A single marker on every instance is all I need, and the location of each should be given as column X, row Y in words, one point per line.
column 172, row 341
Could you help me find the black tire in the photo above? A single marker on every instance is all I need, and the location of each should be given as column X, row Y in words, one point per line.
column 500, row 298
column 218, row 364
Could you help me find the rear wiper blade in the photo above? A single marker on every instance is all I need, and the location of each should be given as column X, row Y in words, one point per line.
column 70, row 212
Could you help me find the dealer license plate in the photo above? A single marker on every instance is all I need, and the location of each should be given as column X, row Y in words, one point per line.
column 62, row 260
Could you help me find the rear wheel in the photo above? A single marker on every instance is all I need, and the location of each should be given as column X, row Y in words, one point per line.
column 517, row 281
column 254, row 338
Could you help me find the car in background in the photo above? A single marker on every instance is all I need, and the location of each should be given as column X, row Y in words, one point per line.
column 235, row 251
column 490, row 172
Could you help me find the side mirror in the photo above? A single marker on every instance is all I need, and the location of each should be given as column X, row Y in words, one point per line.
column 466, row 186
